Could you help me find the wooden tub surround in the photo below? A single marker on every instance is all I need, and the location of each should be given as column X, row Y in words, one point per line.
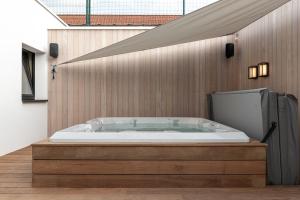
column 146, row 165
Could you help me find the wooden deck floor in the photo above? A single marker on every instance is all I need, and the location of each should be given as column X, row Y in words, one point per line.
column 15, row 184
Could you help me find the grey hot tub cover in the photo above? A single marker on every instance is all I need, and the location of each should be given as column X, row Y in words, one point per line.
column 254, row 111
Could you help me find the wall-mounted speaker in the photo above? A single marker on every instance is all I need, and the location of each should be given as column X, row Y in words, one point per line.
column 229, row 50
column 54, row 50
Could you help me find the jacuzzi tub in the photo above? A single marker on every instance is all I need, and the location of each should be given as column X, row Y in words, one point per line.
column 149, row 130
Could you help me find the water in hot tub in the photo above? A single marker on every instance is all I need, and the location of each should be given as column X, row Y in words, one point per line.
column 153, row 127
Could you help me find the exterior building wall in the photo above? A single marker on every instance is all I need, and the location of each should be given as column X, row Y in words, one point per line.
column 24, row 24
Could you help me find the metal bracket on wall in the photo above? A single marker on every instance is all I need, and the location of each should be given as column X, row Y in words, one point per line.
column 53, row 71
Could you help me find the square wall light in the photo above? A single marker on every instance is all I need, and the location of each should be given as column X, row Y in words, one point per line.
column 263, row 69
column 252, row 72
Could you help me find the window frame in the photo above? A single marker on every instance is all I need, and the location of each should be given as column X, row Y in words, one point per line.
column 29, row 97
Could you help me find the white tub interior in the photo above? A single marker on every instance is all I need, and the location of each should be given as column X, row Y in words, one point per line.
column 149, row 130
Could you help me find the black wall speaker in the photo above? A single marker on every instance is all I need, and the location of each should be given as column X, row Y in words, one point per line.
column 229, row 50
column 54, row 50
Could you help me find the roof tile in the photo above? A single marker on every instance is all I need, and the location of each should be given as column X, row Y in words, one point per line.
column 119, row 20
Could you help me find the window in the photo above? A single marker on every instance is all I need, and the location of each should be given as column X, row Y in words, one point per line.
column 28, row 67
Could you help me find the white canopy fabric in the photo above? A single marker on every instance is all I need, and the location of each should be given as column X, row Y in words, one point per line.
column 221, row 18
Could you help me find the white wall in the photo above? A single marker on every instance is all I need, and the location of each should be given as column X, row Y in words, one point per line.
column 24, row 23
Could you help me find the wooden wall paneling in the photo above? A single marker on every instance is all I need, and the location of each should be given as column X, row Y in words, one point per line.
column 100, row 76
column 274, row 38
column 196, row 64
column 113, row 81
column 142, row 83
column 288, row 76
column 70, row 78
column 75, row 68
column 81, row 74
column 95, row 98
column 109, row 77
column 234, row 65
column 226, row 70
column 202, row 75
column 267, row 42
column 163, row 79
column 192, row 80
column 186, row 77
column 119, row 80
column 64, row 84
column 123, row 65
column 179, row 83
column 103, row 89
column 127, row 72
column 243, row 58
column 207, row 72
column 259, row 47
column 239, row 58
column 136, row 77
column 147, row 84
column 284, row 40
column 278, row 77
column 229, row 71
column 158, row 91
column 169, row 81
column 293, row 71
column 298, row 49
column 156, row 81
column 213, row 72
column 274, row 51
column 171, row 77
column 138, row 85
column 87, row 78
column 173, row 85
column 219, row 62
column 130, row 80
column 251, row 53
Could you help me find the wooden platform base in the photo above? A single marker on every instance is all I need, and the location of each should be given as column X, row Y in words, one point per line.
column 149, row 165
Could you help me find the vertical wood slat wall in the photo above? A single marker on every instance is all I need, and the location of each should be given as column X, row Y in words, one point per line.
column 170, row 81
column 274, row 38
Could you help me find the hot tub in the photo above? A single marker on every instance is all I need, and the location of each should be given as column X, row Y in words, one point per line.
column 149, row 130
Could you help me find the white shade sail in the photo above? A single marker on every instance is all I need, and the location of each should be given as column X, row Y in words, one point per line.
column 218, row 19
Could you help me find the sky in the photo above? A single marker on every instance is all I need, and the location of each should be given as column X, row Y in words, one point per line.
column 131, row 7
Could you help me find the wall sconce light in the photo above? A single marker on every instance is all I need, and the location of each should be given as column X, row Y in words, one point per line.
column 263, row 69
column 253, row 72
